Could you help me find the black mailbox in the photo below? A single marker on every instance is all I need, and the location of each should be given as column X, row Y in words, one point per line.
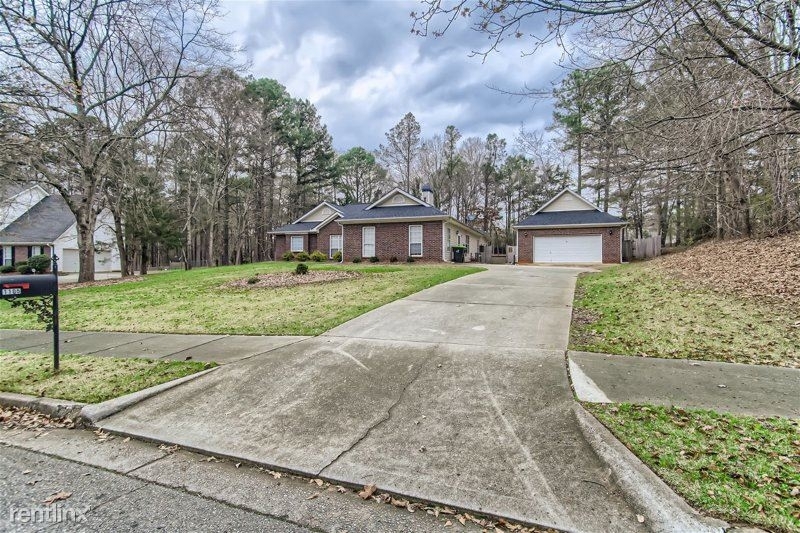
column 28, row 286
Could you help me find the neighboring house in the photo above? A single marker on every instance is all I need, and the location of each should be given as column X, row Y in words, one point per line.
column 396, row 225
column 33, row 222
column 569, row 229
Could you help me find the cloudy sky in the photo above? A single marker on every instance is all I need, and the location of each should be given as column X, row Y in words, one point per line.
column 358, row 62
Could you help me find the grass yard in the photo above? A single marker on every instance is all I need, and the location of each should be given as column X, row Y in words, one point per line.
column 640, row 310
column 737, row 468
column 84, row 378
column 196, row 301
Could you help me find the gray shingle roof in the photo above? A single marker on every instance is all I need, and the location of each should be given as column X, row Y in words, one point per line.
column 41, row 224
column 399, row 211
column 570, row 218
column 300, row 226
column 358, row 212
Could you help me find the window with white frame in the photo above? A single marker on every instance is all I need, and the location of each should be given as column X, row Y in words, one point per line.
column 368, row 241
column 336, row 245
column 36, row 250
column 8, row 255
column 296, row 243
column 415, row 241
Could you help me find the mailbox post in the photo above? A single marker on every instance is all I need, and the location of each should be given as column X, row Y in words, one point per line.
column 22, row 287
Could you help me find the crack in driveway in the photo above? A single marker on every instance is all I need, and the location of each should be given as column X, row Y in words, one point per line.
column 374, row 426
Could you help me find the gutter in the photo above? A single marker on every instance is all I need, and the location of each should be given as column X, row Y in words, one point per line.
column 567, row 226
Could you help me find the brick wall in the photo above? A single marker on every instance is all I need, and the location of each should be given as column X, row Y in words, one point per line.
column 391, row 239
column 323, row 241
column 611, row 243
column 283, row 243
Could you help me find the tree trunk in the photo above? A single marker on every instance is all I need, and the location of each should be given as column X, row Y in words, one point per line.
column 86, row 247
column 121, row 247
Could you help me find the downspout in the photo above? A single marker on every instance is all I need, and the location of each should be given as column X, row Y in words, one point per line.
column 341, row 261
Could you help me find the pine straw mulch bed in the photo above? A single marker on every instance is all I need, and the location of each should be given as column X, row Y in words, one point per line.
column 290, row 279
column 764, row 269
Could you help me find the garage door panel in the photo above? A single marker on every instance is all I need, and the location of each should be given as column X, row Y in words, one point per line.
column 568, row 249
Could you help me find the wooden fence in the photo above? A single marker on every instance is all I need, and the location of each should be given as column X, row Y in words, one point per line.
column 647, row 247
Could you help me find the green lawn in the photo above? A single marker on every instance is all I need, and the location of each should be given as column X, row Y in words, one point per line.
column 195, row 302
column 85, row 378
column 637, row 310
column 737, row 468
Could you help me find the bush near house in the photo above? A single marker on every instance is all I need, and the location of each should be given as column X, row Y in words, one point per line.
column 356, row 260
column 302, row 256
column 318, row 256
column 24, row 268
column 40, row 263
column 374, row 259
column 301, row 269
column 6, row 269
column 337, row 256
column 288, row 256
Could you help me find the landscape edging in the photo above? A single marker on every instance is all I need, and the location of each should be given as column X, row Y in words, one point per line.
column 665, row 510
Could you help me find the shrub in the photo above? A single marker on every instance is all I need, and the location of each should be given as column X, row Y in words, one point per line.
column 302, row 256
column 393, row 259
column 252, row 281
column 6, row 269
column 40, row 263
column 318, row 256
column 356, row 260
column 374, row 259
column 22, row 268
column 409, row 259
column 288, row 256
column 337, row 256
column 301, row 269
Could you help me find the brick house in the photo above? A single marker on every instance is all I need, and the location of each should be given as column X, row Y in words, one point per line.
column 569, row 229
column 397, row 225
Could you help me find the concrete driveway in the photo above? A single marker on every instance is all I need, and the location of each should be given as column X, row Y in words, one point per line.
column 458, row 394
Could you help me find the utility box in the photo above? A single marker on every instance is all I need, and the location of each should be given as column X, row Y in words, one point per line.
column 28, row 286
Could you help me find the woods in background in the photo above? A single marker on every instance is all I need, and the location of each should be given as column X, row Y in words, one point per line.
column 684, row 115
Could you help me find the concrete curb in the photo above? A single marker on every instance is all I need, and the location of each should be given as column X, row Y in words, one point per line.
column 90, row 414
column 51, row 407
column 664, row 510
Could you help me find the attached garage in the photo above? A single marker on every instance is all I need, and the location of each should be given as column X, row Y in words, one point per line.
column 569, row 230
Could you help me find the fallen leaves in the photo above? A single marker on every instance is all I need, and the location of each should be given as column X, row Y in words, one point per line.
column 23, row 418
column 367, row 491
column 57, row 496
column 753, row 268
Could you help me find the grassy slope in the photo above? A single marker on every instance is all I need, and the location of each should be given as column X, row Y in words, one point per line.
column 640, row 310
column 85, row 378
column 193, row 302
column 734, row 467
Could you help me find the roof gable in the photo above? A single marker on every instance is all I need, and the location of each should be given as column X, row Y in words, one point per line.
column 320, row 213
column 397, row 198
column 567, row 200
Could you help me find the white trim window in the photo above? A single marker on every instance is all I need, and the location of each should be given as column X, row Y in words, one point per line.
column 36, row 250
column 8, row 255
column 415, row 240
column 296, row 243
column 368, row 241
column 335, row 245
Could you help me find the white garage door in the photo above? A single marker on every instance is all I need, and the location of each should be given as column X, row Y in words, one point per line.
column 568, row 249
column 69, row 260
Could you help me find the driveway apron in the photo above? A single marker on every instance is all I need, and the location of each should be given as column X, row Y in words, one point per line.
column 457, row 394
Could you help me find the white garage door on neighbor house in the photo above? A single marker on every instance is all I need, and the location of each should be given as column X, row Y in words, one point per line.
column 568, row 249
